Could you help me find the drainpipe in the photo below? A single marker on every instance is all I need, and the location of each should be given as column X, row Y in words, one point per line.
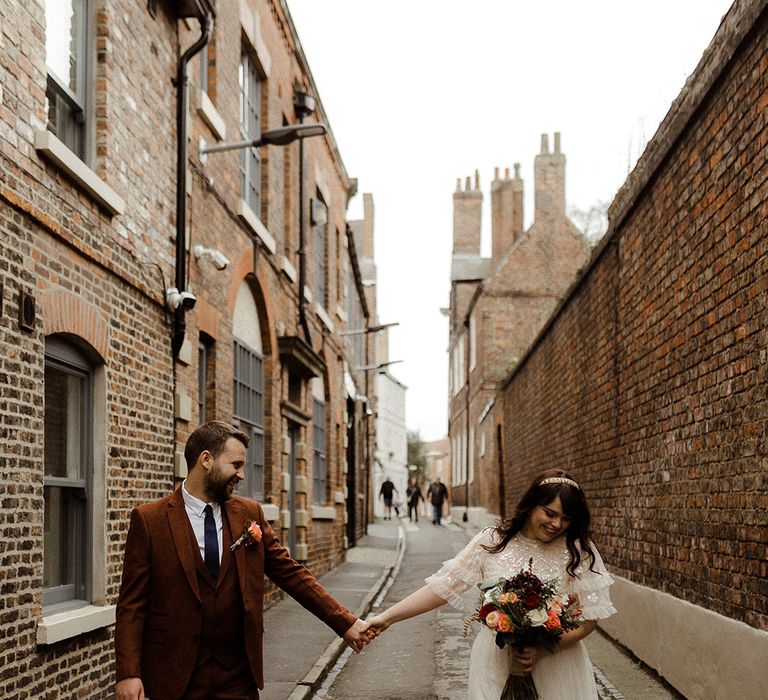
column 182, row 103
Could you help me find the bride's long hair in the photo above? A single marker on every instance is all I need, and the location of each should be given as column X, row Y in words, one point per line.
column 574, row 506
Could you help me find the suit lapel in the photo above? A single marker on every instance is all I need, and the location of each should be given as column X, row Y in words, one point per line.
column 237, row 525
column 180, row 530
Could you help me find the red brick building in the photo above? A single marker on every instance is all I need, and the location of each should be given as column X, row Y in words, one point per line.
column 497, row 306
column 649, row 384
column 104, row 372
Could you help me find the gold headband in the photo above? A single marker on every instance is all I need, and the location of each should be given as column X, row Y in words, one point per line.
column 560, row 480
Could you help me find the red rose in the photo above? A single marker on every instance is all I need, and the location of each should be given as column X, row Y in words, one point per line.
column 487, row 608
column 532, row 601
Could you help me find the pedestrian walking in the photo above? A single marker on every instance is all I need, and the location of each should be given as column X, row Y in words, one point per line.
column 438, row 494
column 548, row 535
column 413, row 495
column 387, row 492
column 189, row 613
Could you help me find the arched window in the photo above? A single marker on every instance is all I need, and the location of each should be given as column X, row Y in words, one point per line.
column 68, row 473
column 248, row 380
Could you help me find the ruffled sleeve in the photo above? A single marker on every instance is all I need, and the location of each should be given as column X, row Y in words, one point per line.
column 592, row 587
column 456, row 582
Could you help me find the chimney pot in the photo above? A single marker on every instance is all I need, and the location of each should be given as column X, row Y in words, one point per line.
column 506, row 173
column 496, row 173
column 467, row 184
column 517, row 171
column 477, row 180
column 557, row 142
column 544, row 144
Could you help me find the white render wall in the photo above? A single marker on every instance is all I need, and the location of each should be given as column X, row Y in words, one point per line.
column 391, row 453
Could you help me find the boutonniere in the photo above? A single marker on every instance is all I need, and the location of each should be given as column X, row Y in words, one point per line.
column 251, row 534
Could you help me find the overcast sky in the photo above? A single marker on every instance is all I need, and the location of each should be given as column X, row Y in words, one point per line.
column 419, row 93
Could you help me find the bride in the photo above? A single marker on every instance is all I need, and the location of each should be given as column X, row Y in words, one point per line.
column 551, row 527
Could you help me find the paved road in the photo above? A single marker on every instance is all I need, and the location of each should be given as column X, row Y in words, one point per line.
column 424, row 658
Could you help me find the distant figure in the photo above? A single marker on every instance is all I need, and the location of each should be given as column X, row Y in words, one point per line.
column 386, row 491
column 413, row 495
column 438, row 494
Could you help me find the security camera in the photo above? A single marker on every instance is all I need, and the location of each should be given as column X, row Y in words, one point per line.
column 219, row 260
column 175, row 299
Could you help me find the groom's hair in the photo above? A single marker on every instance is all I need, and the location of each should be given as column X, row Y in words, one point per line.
column 211, row 436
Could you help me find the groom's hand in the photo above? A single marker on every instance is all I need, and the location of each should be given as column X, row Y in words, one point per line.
column 129, row 689
column 376, row 625
column 357, row 636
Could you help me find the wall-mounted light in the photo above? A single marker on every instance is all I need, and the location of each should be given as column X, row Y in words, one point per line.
column 275, row 137
column 370, row 329
column 370, row 368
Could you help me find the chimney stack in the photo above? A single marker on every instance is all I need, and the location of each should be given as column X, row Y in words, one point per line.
column 506, row 212
column 549, row 181
column 467, row 212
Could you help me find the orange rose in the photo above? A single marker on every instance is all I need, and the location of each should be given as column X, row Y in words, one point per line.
column 508, row 598
column 255, row 531
column 504, row 624
column 553, row 621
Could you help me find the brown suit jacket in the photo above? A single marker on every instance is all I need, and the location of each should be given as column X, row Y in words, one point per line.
column 159, row 615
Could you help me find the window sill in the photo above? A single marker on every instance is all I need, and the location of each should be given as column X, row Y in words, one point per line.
column 323, row 513
column 211, row 116
column 341, row 314
column 55, row 151
column 324, row 317
column 288, row 269
column 254, row 223
column 271, row 511
column 70, row 623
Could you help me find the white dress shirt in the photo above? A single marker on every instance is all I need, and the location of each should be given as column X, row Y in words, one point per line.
column 195, row 507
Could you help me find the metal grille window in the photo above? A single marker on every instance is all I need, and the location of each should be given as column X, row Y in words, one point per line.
column 67, row 49
column 66, row 483
column 249, row 411
column 319, row 471
column 250, row 128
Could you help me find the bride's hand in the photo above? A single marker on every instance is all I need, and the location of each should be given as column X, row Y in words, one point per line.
column 526, row 658
column 376, row 625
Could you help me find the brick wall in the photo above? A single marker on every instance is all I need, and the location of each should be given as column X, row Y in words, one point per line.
column 100, row 280
column 649, row 382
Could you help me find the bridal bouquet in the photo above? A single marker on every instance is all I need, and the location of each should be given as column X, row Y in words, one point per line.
column 525, row 611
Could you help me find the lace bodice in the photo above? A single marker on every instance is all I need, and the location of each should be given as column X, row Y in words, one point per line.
column 458, row 578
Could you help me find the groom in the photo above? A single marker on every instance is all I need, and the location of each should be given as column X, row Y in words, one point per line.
column 189, row 614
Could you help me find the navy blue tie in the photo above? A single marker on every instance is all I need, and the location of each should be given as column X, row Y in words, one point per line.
column 211, row 544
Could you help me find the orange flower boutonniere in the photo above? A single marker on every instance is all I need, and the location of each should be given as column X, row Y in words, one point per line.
column 252, row 534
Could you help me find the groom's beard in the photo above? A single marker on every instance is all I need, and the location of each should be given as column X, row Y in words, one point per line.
column 217, row 487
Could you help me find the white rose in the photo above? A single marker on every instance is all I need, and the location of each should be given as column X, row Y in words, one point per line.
column 537, row 617
column 488, row 597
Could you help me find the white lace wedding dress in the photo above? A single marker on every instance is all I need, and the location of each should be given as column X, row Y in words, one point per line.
column 563, row 675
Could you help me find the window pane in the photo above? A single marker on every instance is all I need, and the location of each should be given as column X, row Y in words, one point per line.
column 63, row 39
column 64, row 396
column 63, row 538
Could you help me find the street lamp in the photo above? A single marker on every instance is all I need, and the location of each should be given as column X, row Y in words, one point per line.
column 274, row 137
column 370, row 329
column 382, row 365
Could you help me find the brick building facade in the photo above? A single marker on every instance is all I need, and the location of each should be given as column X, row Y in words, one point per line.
column 497, row 306
column 649, row 383
column 100, row 381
